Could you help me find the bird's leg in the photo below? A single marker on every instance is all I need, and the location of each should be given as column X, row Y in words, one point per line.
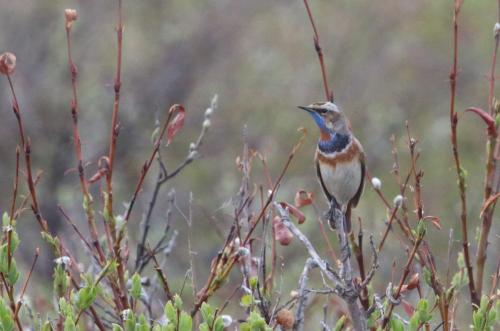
column 331, row 214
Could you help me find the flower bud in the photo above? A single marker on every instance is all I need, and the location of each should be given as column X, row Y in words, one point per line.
column 70, row 16
column 227, row 320
column 208, row 112
column 64, row 260
column 243, row 251
column 207, row 123
column 376, row 183
column 7, row 63
column 398, row 200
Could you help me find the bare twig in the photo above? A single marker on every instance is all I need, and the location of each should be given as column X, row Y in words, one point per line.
column 298, row 324
column 88, row 200
column 492, row 176
column 319, row 52
column 454, row 142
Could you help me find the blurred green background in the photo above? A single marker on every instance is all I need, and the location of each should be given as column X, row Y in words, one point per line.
column 388, row 62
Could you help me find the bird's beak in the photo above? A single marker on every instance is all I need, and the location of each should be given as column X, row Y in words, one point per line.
column 308, row 109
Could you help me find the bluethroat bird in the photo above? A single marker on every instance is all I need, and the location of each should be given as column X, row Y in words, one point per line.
column 340, row 161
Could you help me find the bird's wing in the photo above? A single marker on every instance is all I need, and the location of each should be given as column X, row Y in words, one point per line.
column 323, row 186
column 354, row 201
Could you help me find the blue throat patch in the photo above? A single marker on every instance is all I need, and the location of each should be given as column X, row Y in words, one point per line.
column 336, row 143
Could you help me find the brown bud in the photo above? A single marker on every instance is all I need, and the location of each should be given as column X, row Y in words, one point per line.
column 285, row 318
column 71, row 16
column 413, row 282
column 281, row 233
column 7, row 63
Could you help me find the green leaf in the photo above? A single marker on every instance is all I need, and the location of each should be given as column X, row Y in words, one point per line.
column 185, row 322
column 178, row 302
column 86, row 296
column 46, row 326
column 5, row 219
column 117, row 327
column 135, row 289
column 253, row 282
column 6, row 321
column 414, row 322
column 219, row 324
column 246, row 300
column 171, row 313
column 207, row 313
column 129, row 321
column 69, row 324
column 65, row 308
column 143, row 324
column 340, row 323
column 397, row 325
column 60, row 281
column 12, row 274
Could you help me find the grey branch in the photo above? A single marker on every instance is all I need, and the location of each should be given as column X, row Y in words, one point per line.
column 298, row 325
column 344, row 285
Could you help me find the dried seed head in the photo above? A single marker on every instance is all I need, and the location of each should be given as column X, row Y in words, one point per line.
column 71, row 16
column 496, row 28
column 376, row 183
column 285, row 319
column 7, row 63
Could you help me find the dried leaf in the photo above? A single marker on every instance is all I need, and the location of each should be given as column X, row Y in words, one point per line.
column 490, row 121
column 409, row 309
column 303, row 198
column 281, row 233
column 434, row 220
column 301, row 218
column 492, row 199
column 177, row 123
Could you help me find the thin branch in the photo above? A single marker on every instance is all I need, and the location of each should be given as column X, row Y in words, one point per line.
column 319, row 52
column 454, row 142
column 492, row 176
column 88, row 201
column 298, row 324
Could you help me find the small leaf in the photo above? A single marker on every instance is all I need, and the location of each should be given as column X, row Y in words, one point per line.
column 246, row 300
column 135, row 289
column 492, row 199
column 340, row 323
column 207, row 313
column 490, row 122
column 408, row 308
column 177, row 123
column 436, row 221
column 397, row 325
column 185, row 322
column 170, row 312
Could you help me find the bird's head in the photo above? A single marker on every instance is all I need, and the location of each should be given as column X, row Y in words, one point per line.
column 328, row 117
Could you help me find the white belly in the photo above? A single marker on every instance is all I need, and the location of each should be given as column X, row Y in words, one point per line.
column 343, row 181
